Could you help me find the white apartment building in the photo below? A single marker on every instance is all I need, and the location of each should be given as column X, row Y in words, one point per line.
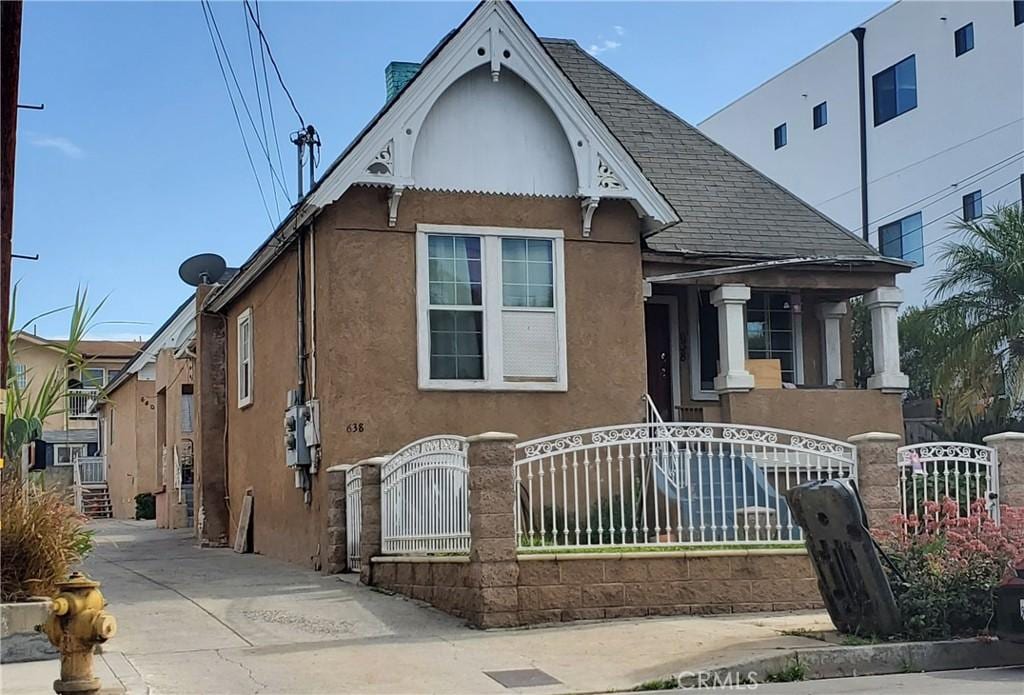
column 924, row 102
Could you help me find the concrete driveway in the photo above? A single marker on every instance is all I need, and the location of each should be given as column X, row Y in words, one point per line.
column 204, row 620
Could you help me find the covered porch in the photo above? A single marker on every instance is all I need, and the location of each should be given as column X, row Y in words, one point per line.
column 770, row 343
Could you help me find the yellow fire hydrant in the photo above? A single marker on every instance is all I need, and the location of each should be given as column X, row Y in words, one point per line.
column 77, row 624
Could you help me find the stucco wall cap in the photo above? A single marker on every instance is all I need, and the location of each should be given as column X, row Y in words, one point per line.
column 340, row 467
column 373, row 461
column 1004, row 437
column 874, row 437
column 493, row 437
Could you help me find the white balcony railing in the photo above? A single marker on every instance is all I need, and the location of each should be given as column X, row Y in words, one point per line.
column 80, row 402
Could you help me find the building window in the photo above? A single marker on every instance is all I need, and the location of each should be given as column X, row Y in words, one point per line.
column 963, row 39
column 1018, row 12
column 112, row 374
column 245, row 358
column 895, row 90
column 703, row 318
column 20, row 376
column 91, row 377
column 770, row 331
column 491, row 309
column 187, row 408
column 820, row 114
column 972, row 206
column 66, row 454
column 903, row 239
column 780, row 136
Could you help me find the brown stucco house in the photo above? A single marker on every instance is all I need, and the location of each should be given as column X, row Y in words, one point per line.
column 521, row 241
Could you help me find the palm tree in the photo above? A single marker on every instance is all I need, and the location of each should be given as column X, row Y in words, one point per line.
column 980, row 303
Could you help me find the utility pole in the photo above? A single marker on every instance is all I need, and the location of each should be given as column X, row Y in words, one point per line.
column 306, row 139
column 10, row 69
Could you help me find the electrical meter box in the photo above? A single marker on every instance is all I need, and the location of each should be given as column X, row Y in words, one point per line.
column 296, row 415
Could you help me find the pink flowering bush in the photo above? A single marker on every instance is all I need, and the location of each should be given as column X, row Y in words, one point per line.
column 948, row 565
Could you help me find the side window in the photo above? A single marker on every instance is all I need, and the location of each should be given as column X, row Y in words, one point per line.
column 820, row 115
column 780, row 136
column 895, row 90
column 963, row 39
column 972, row 206
column 244, row 344
column 903, row 239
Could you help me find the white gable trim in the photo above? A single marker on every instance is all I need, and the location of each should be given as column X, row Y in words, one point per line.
column 495, row 35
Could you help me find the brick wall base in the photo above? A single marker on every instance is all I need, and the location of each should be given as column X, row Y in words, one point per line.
column 593, row 586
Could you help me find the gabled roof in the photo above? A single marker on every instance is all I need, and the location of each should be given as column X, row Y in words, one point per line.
column 178, row 327
column 107, row 349
column 725, row 206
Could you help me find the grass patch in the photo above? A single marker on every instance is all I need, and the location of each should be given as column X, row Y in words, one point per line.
column 669, row 683
column 804, row 632
column 793, row 671
column 666, row 548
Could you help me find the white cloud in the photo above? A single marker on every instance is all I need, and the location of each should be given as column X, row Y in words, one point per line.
column 620, row 31
column 62, row 145
column 606, row 45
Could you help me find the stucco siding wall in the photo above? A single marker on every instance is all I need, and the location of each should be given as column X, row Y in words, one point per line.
column 366, row 348
column 130, row 467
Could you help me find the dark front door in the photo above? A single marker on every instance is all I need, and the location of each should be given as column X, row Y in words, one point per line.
column 659, row 357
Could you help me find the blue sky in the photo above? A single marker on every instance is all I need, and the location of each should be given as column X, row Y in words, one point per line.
column 137, row 162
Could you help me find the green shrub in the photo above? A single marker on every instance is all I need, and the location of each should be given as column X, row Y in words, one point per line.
column 145, row 506
column 42, row 538
column 948, row 566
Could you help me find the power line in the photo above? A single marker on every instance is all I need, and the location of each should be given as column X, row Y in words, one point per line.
column 270, row 100
column 259, row 102
column 954, row 231
column 234, row 108
column 273, row 62
column 921, row 161
column 947, row 190
column 241, row 96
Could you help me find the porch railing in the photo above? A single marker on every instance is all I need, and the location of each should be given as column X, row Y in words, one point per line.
column 80, row 403
column 93, row 469
column 668, row 483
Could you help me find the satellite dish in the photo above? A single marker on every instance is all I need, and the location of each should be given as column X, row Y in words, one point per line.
column 202, row 269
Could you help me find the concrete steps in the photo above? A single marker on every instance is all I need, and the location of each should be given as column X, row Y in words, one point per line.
column 96, row 502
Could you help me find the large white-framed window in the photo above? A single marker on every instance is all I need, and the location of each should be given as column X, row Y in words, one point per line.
column 490, row 308
column 20, row 375
column 244, row 345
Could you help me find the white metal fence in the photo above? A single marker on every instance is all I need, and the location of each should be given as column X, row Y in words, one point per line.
column 353, row 515
column 668, row 483
column 80, row 403
column 937, row 471
column 425, row 497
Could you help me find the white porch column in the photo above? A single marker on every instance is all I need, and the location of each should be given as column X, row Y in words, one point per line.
column 732, row 343
column 885, row 341
column 831, row 314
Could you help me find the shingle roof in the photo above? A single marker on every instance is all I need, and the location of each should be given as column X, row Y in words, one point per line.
column 725, row 206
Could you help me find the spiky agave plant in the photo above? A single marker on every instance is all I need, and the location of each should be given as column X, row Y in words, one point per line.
column 980, row 300
column 43, row 395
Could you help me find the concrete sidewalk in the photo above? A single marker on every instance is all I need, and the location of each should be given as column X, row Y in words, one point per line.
column 197, row 620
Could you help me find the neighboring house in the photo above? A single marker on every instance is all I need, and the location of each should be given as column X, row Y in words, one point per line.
column 148, row 418
column 522, row 241
column 73, row 431
column 943, row 89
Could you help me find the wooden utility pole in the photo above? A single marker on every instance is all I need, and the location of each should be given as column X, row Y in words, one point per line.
column 10, row 68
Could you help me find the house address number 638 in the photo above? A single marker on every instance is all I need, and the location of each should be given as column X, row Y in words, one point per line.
column 355, row 427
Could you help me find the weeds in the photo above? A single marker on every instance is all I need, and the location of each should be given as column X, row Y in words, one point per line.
column 793, row 671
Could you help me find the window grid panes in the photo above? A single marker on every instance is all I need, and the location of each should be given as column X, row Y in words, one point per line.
column 455, row 283
column 972, row 206
column 903, row 238
column 527, row 273
column 20, row 375
column 245, row 360
column 91, row 377
column 820, row 115
column 780, row 136
column 963, row 39
column 770, row 333
column 895, row 90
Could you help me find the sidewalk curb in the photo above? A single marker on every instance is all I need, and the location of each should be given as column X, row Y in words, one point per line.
column 866, row 660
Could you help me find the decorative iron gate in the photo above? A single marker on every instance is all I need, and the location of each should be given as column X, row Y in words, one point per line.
column 668, row 483
column 966, row 474
column 424, row 491
column 353, row 515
